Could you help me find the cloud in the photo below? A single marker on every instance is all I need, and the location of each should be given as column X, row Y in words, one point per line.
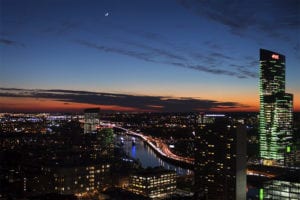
column 161, row 50
column 213, row 45
column 212, row 70
column 220, row 55
column 8, row 42
column 215, row 58
column 246, row 72
column 139, row 55
column 155, row 55
column 154, row 48
column 62, row 28
column 270, row 17
column 296, row 47
column 151, row 36
column 228, row 13
column 244, row 69
column 157, row 51
column 138, row 102
column 216, row 71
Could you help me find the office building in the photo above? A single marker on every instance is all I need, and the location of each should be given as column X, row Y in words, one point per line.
column 80, row 179
column 66, row 178
column 276, row 111
column 91, row 120
column 208, row 118
column 283, row 187
column 220, row 161
column 155, row 183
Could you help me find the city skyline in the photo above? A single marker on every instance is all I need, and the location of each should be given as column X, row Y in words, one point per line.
column 142, row 55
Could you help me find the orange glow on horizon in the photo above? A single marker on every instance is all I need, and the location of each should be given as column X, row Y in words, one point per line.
column 22, row 104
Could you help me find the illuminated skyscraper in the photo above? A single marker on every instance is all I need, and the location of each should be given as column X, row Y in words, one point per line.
column 276, row 110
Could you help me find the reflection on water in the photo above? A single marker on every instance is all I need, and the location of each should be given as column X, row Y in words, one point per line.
column 133, row 151
column 148, row 158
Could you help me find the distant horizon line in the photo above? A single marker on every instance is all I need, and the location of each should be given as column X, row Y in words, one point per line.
column 131, row 112
column 21, row 100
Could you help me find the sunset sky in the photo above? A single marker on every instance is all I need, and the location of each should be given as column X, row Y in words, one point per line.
column 142, row 55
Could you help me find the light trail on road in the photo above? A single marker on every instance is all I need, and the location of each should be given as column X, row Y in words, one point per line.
column 163, row 149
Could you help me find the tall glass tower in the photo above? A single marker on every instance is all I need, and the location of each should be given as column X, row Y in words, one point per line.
column 276, row 110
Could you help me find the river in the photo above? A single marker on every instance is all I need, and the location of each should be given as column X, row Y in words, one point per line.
column 148, row 158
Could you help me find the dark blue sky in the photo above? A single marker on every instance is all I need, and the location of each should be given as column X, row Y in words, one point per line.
column 197, row 49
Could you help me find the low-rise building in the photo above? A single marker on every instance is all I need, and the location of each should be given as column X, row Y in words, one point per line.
column 154, row 183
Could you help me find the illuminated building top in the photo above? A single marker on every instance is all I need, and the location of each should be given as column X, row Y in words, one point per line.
column 276, row 109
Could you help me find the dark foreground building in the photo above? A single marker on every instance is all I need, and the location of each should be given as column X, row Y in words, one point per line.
column 220, row 161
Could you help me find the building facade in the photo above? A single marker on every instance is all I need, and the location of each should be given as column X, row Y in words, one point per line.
column 66, row 178
column 285, row 187
column 220, row 161
column 276, row 110
column 91, row 120
column 80, row 179
column 155, row 183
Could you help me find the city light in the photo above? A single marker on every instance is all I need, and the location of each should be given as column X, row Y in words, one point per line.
column 153, row 100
